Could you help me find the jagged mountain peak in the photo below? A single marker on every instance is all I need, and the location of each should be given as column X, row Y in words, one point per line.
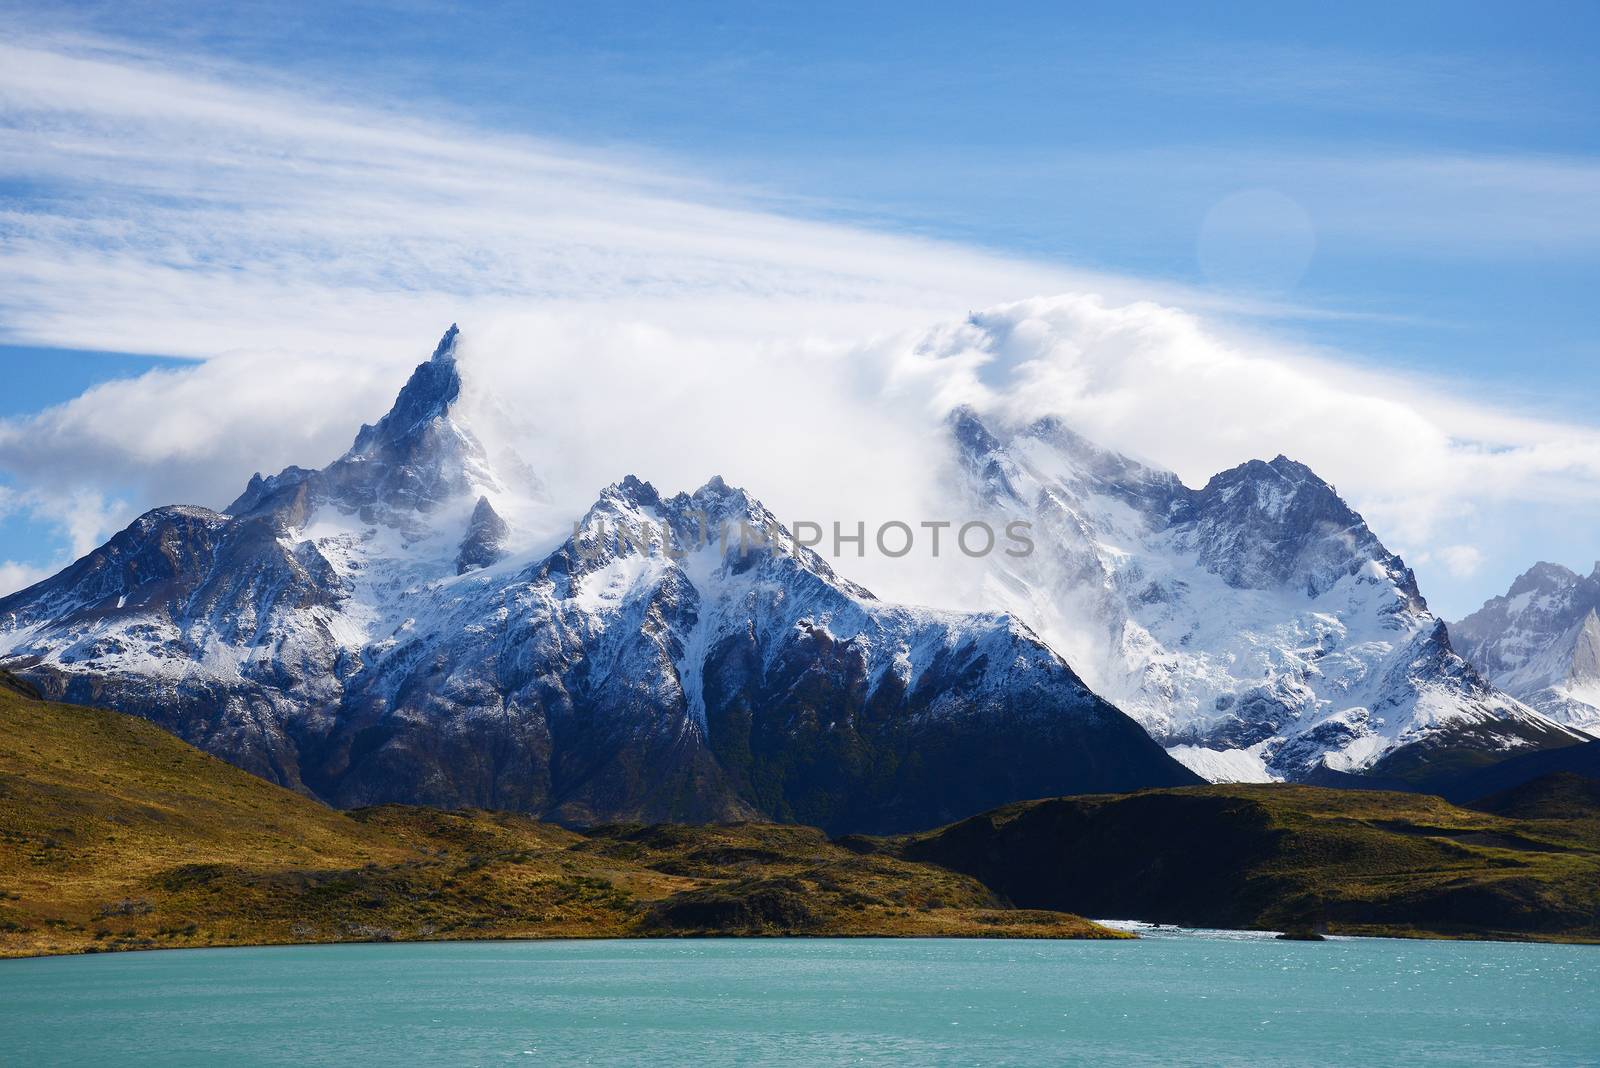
column 419, row 458
column 138, row 561
column 1057, row 431
column 631, row 517
column 1142, row 486
column 633, row 491
column 1540, row 641
column 723, row 503
column 1256, row 625
column 976, row 451
column 970, row 432
column 426, row 398
column 1267, row 524
column 1053, row 449
column 261, row 488
column 713, row 502
column 1298, row 474
column 324, row 636
column 1262, row 524
column 1543, row 577
column 446, row 349
column 484, row 542
column 979, row 437
column 715, row 486
column 1280, row 474
column 1280, row 490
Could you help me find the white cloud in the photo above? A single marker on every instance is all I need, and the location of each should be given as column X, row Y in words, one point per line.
column 18, row 576
column 637, row 320
column 204, row 216
column 1161, row 383
column 829, row 430
column 81, row 515
column 1461, row 560
column 309, row 251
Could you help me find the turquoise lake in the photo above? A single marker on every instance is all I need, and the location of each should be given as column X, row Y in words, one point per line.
column 1170, row 998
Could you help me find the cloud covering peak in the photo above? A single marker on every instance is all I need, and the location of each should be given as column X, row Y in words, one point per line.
column 631, row 319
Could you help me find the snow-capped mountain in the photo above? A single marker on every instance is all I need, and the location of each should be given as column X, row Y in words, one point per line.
column 1541, row 642
column 1256, row 627
column 368, row 632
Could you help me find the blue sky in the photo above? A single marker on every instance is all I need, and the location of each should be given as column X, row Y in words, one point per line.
column 1409, row 190
column 1102, row 137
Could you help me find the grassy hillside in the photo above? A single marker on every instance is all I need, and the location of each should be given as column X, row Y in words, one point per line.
column 1506, row 774
column 1280, row 857
column 115, row 835
column 1561, row 795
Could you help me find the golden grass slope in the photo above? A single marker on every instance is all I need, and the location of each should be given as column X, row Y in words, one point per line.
column 116, row 835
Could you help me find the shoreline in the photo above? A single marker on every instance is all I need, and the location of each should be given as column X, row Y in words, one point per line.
column 1122, row 931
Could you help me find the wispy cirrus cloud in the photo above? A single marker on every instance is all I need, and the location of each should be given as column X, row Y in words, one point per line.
column 200, row 215
column 307, row 253
column 195, row 207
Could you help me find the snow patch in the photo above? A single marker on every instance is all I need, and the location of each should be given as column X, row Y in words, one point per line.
column 1224, row 765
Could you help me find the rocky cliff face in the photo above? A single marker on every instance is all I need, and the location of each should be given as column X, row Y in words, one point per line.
column 1255, row 626
column 485, row 540
column 1541, row 642
column 365, row 633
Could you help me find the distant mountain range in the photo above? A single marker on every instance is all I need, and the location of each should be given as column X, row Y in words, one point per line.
column 374, row 631
column 1255, row 626
column 355, row 633
column 1541, row 642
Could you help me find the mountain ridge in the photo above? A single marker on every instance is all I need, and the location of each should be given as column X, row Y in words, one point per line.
column 1256, row 625
column 330, row 635
column 378, row 630
column 1541, row 642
